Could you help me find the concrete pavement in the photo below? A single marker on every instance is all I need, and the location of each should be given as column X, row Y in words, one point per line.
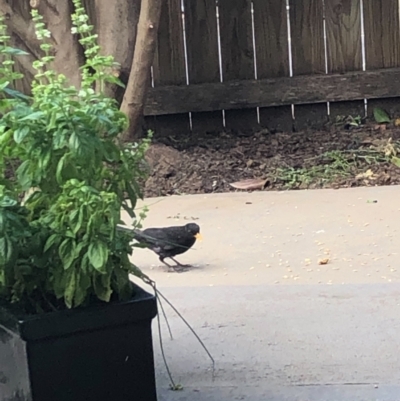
column 280, row 325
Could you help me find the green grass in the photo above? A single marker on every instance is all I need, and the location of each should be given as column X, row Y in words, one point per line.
column 328, row 167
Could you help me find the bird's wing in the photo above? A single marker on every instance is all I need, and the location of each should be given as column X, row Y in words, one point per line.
column 145, row 240
column 166, row 238
column 159, row 238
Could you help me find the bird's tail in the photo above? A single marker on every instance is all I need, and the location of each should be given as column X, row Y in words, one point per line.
column 135, row 233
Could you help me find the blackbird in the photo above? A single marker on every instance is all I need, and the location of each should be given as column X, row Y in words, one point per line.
column 168, row 242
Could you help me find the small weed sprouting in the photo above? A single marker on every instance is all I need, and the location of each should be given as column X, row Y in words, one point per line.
column 349, row 121
column 334, row 165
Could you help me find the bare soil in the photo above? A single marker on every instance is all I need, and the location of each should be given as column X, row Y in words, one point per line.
column 206, row 163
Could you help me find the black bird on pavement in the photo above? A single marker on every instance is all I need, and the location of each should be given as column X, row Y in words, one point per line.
column 168, row 242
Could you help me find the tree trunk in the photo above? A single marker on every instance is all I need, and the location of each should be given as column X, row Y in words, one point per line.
column 18, row 21
column 22, row 32
column 116, row 27
column 69, row 53
column 139, row 78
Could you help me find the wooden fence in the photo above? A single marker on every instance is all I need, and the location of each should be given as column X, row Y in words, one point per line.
column 244, row 64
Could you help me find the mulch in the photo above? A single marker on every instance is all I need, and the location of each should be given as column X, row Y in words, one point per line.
column 207, row 163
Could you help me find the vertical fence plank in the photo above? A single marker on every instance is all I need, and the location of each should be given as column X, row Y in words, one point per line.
column 308, row 56
column 202, row 56
column 382, row 45
column 343, row 31
column 271, row 38
column 169, row 66
column 237, row 56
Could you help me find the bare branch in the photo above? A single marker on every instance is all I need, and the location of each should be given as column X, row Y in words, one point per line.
column 139, row 79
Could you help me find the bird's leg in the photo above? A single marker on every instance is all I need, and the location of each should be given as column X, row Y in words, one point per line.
column 178, row 263
column 169, row 266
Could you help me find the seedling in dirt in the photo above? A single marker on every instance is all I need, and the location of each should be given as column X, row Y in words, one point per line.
column 349, row 121
column 355, row 121
column 380, row 116
column 334, row 165
column 337, row 160
column 294, row 177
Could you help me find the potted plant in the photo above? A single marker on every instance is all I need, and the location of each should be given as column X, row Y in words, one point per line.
column 72, row 325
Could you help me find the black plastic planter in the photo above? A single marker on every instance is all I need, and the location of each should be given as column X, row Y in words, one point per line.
column 102, row 353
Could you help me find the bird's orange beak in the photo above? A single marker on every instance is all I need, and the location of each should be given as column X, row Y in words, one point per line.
column 198, row 236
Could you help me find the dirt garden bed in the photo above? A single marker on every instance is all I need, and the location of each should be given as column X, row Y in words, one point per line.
column 360, row 156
